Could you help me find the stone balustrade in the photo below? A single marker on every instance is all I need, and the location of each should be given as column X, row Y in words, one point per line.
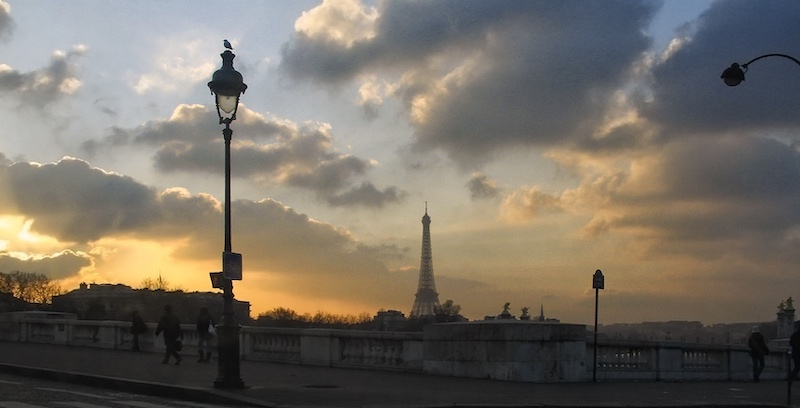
column 510, row 351
column 630, row 360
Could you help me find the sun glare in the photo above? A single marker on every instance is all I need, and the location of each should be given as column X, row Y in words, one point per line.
column 25, row 233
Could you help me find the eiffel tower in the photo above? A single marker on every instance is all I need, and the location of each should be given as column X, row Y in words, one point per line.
column 426, row 302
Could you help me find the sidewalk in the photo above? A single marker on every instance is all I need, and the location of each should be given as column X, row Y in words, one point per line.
column 284, row 385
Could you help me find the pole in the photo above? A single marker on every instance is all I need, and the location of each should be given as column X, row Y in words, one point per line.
column 227, row 133
column 789, row 378
column 228, row 374
column 594, row 362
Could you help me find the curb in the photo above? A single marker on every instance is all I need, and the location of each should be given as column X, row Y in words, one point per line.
column 187, row 393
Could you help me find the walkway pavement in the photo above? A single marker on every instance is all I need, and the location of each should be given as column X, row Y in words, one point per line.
column 284, row 385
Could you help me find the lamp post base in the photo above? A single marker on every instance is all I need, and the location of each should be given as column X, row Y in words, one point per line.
column 229, row 384
column 228, row 375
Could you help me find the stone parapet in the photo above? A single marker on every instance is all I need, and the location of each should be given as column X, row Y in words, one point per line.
column 506, row 350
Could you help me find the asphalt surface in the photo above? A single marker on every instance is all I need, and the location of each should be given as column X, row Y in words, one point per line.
column 287, row 385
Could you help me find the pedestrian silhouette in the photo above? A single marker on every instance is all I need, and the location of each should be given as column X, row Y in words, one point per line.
column 205, row 335
column 758, row 349
column 137, row 327
column 173, row 335
column 794, row 342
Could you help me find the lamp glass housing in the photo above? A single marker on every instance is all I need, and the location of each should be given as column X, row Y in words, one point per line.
column 227, row 104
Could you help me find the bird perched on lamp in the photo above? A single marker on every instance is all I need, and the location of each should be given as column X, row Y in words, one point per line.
column 227, row 44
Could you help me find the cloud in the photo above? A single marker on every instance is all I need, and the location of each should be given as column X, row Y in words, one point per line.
column 41, row 88
column 76, row 203
column 341, row 21
column 367, row 195
column 701, row 198
column 688, row 94
column 6, row 22
column 525, row 204
column 56, row 266
column 479, row 77
column 179, row 61
column 266, row 150
column 482, row 187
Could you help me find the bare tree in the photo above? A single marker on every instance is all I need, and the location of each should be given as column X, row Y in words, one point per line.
column 30, row 287
column 159, row 283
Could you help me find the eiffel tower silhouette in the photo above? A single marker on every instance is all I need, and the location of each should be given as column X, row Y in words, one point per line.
column 426, row 302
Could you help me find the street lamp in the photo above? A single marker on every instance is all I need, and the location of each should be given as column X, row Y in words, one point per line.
column 734, row 75
column 598, row 282
column 227, row 85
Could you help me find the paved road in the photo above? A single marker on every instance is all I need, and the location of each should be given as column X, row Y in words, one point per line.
column 26, row 392
column 280, row 385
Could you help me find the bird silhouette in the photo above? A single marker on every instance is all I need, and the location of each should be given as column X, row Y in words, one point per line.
column 227, row 44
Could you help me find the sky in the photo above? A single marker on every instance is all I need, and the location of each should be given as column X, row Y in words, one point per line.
column 547, row 139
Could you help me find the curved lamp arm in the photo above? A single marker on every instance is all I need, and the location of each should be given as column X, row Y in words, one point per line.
column 734, row 75
column 771, row 55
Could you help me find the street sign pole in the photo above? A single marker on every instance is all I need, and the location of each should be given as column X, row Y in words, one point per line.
column 598, row 282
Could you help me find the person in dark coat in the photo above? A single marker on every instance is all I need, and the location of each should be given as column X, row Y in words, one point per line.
column 137, row 327
column 758, row 349
column 205, row 337
column 171, row 326
column 794, row 342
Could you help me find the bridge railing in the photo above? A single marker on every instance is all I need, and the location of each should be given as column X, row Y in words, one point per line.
column 633, row 360
column 336, row 348
column 623, row 360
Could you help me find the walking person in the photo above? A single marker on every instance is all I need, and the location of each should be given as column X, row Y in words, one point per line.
column 758, row 349
column 794, row 342
column 137, row 327
column 205, row 335
column 173, row 335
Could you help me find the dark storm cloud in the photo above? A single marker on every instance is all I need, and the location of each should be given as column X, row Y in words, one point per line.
column 688, row 94
column 265, row 150
column 61, row 265
column 707, row 197
column 73, row 202
column 42, row 87
column 526, row 73
column 407, row 32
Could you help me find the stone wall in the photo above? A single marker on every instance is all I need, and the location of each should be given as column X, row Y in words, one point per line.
column 506, row 350
column 500, row 350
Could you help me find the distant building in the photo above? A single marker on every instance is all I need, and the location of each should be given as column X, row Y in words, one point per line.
column 506, row 315
column 117, row 302
column 541, row 317
column 389, row 320
column 785, row 319
column 9, row 303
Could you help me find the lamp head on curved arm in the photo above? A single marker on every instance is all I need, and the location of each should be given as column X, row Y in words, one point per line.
column 734, row 75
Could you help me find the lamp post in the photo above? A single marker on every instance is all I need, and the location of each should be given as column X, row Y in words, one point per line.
column 227, row 85
column 734, row 75
column 598, row 282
